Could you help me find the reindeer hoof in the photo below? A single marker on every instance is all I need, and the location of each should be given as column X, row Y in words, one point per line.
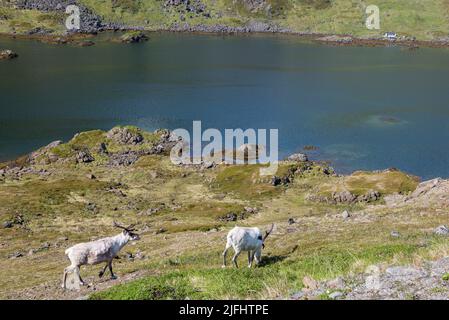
column 113, row 277
column 223, row 266
column 100, row 274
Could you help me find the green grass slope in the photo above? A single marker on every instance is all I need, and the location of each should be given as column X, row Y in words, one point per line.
column 182, row 214
column 424, row 19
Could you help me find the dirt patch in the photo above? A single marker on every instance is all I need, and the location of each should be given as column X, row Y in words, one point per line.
column 52, row 290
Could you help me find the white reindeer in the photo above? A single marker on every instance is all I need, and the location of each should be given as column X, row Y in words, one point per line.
column 246, row 239
column 102, row 250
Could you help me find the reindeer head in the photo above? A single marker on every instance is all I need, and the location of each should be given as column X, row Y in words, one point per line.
column 128, row 231
column 267, row 233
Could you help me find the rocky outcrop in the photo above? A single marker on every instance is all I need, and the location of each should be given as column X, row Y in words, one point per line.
column 8, row 54
column 298, row 157
column 252, row 26
column 129, row 141
column 134, row 137
column 17, row 220
column 234, row 216
column 427, row 282
column 348, row 197
column 102, row 148
column 370, row 196
column 229, row 217
column 166, row 142
column 123, row 135
column 427, row 193
column 345, row 197
column 425, row 187
column 189, row 6
column 16, row 173
column 441, row 230
column 345, row 215
column 277, row 181
column 133, row 37
column 89, row 21
column 44, row 155
column 287, row 177
column 84, row 156
column 124, row 158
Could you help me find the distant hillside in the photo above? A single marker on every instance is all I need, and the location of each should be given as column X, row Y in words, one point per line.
column 424, row 19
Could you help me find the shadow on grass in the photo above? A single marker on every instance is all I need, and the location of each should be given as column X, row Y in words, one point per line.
column 270, row 260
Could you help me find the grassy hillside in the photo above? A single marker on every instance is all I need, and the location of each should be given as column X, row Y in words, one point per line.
column 183, row 214
column 424, row 19
column 22, row 21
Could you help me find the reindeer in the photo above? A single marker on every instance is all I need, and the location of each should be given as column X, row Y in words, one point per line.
column 246, row 239
column 95, row 252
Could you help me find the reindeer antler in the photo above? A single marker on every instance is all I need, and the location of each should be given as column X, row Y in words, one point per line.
column 268, row 232
column 129, row 228
column 118, row 226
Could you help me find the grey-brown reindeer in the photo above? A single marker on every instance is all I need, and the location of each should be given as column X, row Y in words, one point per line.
column 98, row 251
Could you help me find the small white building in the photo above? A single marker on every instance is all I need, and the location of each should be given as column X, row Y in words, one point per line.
column 390, row 35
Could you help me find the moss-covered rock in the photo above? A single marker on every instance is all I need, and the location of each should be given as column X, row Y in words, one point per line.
column 7, row 54
column 134, row 37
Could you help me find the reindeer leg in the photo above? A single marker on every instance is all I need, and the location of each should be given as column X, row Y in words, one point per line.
column 224, row 255
column 113, row 276
column 251, row 259
column 77, row 272
column 234, row 258
column 101, row 273
column 64, row 277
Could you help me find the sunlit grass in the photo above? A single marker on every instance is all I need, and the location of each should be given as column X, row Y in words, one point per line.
column 424, row 19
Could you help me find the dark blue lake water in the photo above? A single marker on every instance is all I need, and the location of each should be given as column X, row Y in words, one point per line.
column 364, row 108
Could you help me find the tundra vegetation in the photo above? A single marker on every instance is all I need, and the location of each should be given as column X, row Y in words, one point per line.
column 68, row 193
column 423, row 19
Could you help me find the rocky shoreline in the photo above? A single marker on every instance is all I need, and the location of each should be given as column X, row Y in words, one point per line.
column 219, row 30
